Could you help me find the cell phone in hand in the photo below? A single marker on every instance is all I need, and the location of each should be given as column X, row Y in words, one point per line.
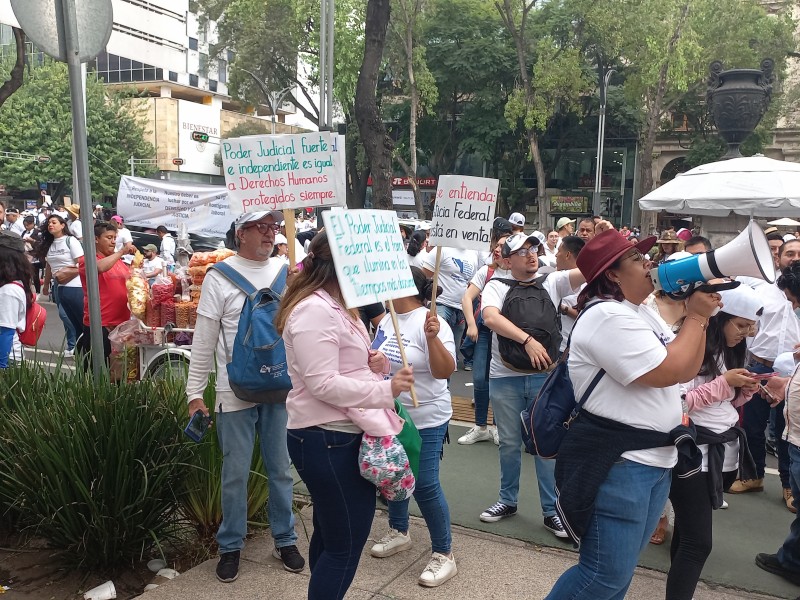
column 197, row 427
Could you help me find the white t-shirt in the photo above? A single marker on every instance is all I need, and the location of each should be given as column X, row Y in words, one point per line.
column 17, row 226
column 419, row 259
column 627, row 341
column 568, row 322
column 435, row 406
column 12, row 315
column 719, row 417
column 76, row 228
column 65, row 252
column 221, row 301
column 455, row 270
column 168, row 249
column 150, row 266
column 778, row 329
column 124, row 237
column 557, row 286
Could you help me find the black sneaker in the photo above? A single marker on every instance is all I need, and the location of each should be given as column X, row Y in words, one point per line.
column 498, row 511
column 771, row 564
column 554, row 526
column 228, row 566
column 291, row 558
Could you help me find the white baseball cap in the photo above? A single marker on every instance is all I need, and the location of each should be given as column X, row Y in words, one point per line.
column 742, row 302
column 517, row 219
column 280, row 239
column 252, row 217
column 517, row 241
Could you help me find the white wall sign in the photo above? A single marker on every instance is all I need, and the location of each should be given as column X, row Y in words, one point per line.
column 197, row 156
column 204, row 209
column 369, row 256
column 268, row 172
column 464, row 212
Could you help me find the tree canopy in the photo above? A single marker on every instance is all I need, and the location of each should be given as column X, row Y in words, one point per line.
column 37, row 120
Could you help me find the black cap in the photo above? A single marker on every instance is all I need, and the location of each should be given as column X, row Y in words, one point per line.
column 501, row 226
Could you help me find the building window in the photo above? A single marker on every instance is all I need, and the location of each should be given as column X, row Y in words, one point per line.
column 193, row 80
column 222, row 71
column 212, row 85
column 192, row 43
column 173, row 76
column 114, row 69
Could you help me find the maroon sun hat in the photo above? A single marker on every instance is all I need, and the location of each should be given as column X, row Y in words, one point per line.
column 602, row 250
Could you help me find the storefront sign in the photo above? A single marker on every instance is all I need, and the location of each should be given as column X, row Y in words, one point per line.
column 569, row 204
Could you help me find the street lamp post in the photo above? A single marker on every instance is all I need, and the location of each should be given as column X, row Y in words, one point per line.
column 598, row 175
column 274, row 98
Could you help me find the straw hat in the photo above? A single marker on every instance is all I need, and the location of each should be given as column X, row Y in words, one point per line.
column 668, row 237
column 74, row 210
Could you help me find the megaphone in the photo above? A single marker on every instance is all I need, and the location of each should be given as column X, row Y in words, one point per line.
column 747, row 254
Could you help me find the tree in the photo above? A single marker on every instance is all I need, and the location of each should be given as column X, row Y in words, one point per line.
column 15, row 76
column 378, row 145
column 419, row 83
column 38, row 120
column 551, row 79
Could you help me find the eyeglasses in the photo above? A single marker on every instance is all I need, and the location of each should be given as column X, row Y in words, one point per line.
column 747, row 330
column 523, row 252
column 635, row 257
column 265, row 227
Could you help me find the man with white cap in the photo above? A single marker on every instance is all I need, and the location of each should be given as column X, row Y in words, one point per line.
column 565, row 226
column 13, row 222
column 510, row 390
column 517, row 221
column 238, row 421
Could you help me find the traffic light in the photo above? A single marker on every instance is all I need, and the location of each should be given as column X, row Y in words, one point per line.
column 198, row 136
column 177, row 161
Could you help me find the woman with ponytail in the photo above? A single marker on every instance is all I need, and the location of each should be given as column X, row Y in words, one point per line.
column 417, row 248
column 429, row 346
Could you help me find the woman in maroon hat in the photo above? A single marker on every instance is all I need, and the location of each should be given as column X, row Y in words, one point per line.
column 627, row 436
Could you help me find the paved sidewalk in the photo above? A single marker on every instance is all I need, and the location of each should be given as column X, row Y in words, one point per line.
column 489, row 567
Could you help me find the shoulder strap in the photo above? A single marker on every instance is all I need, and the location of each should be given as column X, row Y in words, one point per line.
column 236, row 278
column 279, row 283
column 67, row 241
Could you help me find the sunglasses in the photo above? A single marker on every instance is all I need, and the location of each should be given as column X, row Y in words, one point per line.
column 264, row 228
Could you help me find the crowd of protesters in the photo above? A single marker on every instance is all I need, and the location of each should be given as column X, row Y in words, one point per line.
column 676, row 416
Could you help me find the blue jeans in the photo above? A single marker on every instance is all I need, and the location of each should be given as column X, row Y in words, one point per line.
column 755, row 419
column 481, row 359
column 428, row 493
column 236, row 431
column 789, row 554
column 344, row 506
column 70, row 302
column 627, row 508
column 455, row 318
column 510, row 396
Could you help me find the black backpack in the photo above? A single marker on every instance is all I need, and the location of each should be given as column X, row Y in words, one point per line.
column 528, row 306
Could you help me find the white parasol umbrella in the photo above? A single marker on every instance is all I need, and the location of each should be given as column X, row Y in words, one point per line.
column 753, row 185
column 784, row 222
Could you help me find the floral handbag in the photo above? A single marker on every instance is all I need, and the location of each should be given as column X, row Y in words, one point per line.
column 383, row 462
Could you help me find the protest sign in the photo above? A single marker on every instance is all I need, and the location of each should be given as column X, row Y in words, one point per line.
column 369, row 256
column 280, row 172
column 464, row 212
column 153, row 202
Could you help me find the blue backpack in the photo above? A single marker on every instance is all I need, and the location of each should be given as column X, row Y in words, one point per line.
column 547, row 418
column 257, row 369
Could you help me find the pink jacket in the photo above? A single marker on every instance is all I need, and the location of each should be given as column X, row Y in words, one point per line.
column 327, row 352
column 713, row 391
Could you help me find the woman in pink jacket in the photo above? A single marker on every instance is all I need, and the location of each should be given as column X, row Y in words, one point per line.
column 338, row 392
column 711, row 400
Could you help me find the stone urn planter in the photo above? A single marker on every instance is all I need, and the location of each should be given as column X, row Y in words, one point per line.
column 737, row 100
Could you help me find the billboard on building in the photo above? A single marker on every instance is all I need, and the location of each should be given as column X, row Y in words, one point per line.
column 198, row 157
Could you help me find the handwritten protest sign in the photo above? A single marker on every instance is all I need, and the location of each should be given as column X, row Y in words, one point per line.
column 464, row 212
column 369, row 256
column 278, row 172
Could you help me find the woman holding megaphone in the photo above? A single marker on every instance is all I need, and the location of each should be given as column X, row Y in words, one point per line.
column 627, row 436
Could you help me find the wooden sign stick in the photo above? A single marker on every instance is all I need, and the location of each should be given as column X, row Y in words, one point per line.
column 402, row 349
column 436, row 279
column 291, row 236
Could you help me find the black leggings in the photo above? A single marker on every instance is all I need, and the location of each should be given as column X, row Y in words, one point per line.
column 691, row 539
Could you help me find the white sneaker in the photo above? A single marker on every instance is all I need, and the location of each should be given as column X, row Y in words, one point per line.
column 69, row 353
column 440, row 569
column 724, row 504
column 495, row 436
column 392, row 543
column 476, row 434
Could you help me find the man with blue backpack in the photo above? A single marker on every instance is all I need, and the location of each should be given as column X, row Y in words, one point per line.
column 238, row 301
